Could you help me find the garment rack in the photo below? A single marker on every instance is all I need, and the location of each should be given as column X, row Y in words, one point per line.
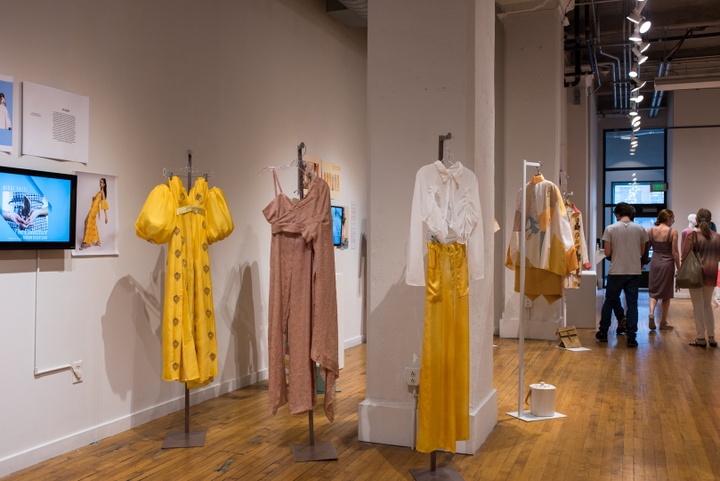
column 322, row 450
column 520, row 414
column 433, row 472
column 186, row 438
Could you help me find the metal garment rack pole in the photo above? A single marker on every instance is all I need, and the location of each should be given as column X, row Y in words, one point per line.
column 312, row 451
column 433, row 473
column 187, row 438
column 301, row 169
column 521, row 321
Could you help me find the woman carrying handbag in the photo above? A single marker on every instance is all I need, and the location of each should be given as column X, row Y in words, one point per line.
column 706, row 244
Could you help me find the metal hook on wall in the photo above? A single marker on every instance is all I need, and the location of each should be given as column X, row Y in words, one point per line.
column 441, row 150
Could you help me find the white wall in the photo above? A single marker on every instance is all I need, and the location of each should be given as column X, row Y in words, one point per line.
column 240, row 83
column 693, row 146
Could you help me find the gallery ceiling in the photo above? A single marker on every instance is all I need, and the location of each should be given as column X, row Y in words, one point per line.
column 683, row 52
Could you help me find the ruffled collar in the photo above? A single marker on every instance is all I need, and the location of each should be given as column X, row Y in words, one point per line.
column 454, row 172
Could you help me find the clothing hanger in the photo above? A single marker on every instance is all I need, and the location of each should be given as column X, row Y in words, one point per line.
column 297, row 163
column 188, row 169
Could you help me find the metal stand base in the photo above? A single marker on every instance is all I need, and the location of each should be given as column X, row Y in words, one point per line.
column 179, row 439
column 427, row 474
column 528, row 416
column 320, row 451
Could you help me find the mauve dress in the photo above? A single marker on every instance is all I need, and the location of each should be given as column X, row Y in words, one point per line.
column 662, row 268
column 302, row 320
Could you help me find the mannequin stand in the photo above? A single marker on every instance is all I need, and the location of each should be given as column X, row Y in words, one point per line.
column 434, row 473
column 187, row 438
column 312, row 451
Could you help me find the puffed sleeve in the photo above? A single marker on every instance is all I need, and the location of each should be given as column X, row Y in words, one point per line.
column 219, row 221
column 156, row 221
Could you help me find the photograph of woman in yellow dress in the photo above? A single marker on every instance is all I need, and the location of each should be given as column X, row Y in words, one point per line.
column 91, row 236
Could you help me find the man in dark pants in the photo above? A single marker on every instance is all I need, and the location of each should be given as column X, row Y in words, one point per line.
column 624, row 243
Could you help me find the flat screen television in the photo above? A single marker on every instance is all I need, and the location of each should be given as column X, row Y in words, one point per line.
column 338, row 218
column 38, row 209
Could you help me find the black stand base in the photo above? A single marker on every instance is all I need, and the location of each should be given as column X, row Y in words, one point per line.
column 320, row 451
column 428, row 474
column 179, row 439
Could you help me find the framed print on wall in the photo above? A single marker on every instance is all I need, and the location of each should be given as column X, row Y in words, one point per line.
column 97, row 215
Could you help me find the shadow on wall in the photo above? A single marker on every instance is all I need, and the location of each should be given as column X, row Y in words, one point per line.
column 241, row 308
column 133, row 307
column 244, row 324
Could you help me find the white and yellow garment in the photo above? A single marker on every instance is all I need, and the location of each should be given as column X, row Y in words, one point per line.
column 550, row 252
column 446, row 224
column 188, row 223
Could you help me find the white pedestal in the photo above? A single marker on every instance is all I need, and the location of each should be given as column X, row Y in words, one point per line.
column 580, row 303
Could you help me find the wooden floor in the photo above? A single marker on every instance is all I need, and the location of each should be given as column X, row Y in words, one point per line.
column 651, row 413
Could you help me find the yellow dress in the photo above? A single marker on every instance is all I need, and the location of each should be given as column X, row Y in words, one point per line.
column 92, row 236
column 188, row 223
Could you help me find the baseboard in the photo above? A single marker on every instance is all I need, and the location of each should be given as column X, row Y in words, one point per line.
column 355, row 341
column 57, row 447
column 386, row 423
column 394, row 423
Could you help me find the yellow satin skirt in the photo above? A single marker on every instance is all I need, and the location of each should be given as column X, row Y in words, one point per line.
column 444, row 399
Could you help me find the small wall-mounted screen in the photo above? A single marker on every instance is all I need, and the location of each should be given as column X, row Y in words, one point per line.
column 38, row 209
column 338, row 218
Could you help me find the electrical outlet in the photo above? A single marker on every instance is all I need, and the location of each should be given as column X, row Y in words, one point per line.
column 412, row 376
column 77, row 372
column 528, row 303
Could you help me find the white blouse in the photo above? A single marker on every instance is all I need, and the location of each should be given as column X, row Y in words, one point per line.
column 446, row 208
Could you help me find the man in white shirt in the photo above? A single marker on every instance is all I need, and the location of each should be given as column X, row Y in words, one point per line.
column 624, row 244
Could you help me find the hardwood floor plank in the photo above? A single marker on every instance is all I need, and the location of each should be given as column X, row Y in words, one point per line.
column 649, row 413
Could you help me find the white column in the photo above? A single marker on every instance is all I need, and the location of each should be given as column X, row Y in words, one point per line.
column 430, row 71
column 534, row 107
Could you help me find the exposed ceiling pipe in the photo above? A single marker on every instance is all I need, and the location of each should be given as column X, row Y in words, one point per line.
column 658, row 95
column 576, row 51
column 664, row 69
column 614, row 76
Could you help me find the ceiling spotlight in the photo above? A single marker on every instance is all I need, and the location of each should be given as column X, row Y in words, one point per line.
column 636, row 98
column 636, row 128
column 645, row 26
column 635, row 16
column 633, row 71
column 635, row 121
column 633, row 111
column 638, row 86
column 635, row 36
column 640, row 57
column 643, row 46
column 634, row 143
